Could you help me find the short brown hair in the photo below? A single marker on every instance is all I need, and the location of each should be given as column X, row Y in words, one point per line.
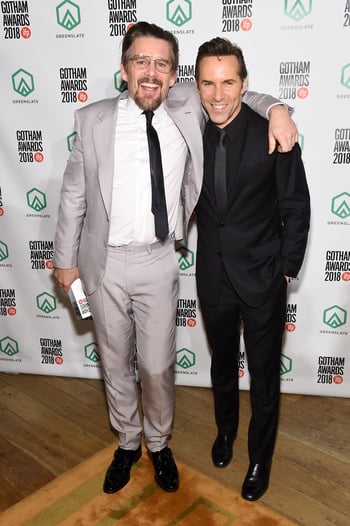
column 219, row 47
column 145, row 29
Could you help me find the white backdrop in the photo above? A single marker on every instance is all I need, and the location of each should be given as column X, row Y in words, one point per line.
column 59, row 55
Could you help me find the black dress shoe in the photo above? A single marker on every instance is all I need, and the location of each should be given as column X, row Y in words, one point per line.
column 256, row 481
column 118, row 473
column 166, row 473
column 221, row 452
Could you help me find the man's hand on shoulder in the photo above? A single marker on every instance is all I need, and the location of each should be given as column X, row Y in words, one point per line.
column 282, row 129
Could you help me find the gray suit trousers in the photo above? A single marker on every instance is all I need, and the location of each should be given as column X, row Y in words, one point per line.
column 135, row 305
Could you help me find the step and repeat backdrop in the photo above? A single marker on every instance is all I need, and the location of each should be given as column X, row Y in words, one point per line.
column 57, row 56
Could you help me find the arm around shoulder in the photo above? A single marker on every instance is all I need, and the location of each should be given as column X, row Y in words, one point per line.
column 283, row 132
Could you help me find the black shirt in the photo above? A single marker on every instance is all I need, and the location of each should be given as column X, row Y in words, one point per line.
column 234, row 144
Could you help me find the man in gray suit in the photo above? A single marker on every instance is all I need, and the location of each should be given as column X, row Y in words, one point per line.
column 107, row 236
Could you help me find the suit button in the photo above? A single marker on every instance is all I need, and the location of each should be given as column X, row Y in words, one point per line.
column 221, row 224
column 218, row 254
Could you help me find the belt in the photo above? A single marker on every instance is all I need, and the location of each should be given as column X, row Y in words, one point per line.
column 141, row 247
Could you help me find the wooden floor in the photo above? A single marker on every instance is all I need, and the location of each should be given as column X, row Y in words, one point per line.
column 50, row 424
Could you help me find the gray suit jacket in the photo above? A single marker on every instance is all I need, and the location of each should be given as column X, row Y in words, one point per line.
column 85, row 202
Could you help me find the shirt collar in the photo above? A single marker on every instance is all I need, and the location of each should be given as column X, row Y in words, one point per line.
column 234, row 127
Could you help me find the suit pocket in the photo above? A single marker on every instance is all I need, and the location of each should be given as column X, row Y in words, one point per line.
column 272, row 248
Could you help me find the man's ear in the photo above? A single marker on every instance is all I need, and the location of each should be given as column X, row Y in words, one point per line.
column 124, row 73
column 244, row 86
column 172, row 79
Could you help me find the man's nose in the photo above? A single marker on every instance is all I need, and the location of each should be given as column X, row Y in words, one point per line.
column 151, row 68
column 218, row 92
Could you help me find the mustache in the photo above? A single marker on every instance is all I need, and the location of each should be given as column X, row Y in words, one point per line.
column 149, row 80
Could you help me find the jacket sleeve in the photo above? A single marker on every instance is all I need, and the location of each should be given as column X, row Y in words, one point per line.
column 294, row 205
column 72, row 207
column 261, row 103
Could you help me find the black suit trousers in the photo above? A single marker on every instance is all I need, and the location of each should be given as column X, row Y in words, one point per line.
column 263, row 329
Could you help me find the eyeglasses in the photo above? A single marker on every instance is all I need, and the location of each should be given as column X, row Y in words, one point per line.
column 143, row 61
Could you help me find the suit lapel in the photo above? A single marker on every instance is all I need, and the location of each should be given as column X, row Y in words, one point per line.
column 104, row 137
column 208, row 192
column 182, row 115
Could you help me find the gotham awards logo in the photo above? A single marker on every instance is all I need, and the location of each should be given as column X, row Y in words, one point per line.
column 121, row 15
column 294, row 80
column 186, row 312
column 347, row 14
column 73, row 84
column 41, row 254
column 15, row 20
column 51, row 351
column 337, row 267
column 30, row 146
column 8, row 302
column 236, row 15
column 241, row 364
column 341, row 150
column 330, row 370
column 291, row 317
column 185, row 73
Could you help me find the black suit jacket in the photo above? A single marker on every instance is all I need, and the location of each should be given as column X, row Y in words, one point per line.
column 262, row 235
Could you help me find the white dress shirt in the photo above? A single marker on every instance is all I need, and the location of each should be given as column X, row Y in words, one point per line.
column 132, row 220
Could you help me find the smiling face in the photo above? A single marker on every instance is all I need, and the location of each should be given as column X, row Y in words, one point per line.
column 221, row 88
column 148, row 87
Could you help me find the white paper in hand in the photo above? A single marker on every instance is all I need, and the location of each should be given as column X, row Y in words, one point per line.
column 79, row 301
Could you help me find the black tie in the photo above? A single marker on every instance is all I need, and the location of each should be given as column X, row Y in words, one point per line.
column 159, row 209
column 220, row 173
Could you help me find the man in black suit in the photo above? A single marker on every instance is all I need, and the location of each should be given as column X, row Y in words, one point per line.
column 252, row 235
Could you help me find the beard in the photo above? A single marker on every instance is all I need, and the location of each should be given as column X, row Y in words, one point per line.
column 148, row 102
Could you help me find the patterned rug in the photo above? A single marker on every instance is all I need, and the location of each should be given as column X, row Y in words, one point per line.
column 76, row 499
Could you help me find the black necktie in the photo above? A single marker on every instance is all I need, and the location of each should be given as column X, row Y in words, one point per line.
column 159, row 209
column 220, row 173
